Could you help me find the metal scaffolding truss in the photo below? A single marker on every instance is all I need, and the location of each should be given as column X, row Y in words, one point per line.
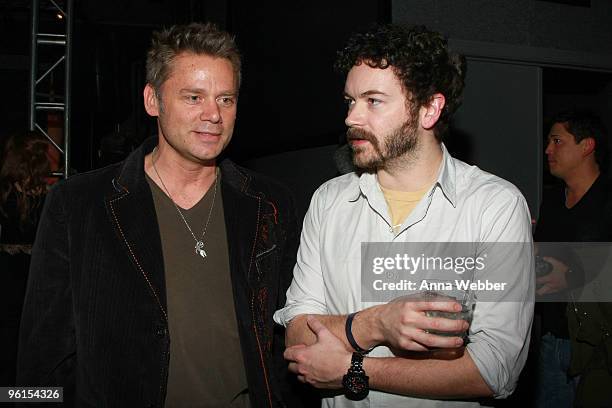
column 39, row 101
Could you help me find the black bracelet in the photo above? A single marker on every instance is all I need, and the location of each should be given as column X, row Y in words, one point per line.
column 349, row 335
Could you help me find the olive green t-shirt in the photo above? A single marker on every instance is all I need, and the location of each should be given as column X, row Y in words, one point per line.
column 206, row 364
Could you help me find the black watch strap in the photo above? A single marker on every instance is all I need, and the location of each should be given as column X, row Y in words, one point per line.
column 349, row 335
column 356, row 383
column 356, row 364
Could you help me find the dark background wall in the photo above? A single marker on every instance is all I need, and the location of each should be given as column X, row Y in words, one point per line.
column 291, row 97
column 546, row 24
column 497, row 128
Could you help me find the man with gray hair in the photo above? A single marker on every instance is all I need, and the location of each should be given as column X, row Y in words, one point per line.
column 154, row 280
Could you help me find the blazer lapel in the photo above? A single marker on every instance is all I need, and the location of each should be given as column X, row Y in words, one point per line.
column 132, row 213
column 242, row 215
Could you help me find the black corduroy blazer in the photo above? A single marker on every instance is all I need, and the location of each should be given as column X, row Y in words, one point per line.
column 95, row 320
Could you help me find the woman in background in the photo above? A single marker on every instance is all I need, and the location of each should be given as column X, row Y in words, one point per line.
column 24, row 170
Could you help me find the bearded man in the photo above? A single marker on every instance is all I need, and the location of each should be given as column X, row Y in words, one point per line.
column 401, row 89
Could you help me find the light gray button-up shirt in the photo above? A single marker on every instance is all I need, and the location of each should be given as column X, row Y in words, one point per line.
column 465, row 204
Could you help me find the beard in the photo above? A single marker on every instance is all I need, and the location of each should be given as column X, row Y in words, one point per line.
column 396, row 143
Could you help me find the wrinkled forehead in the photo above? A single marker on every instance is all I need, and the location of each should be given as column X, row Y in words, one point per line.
column 202, row 65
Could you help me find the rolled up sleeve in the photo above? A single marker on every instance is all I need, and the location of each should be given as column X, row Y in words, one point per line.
column 500, row 331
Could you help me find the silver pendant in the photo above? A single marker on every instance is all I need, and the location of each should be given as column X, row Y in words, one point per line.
column 199, row 249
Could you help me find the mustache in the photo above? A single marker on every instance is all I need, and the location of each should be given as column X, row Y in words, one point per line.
column 360, row 134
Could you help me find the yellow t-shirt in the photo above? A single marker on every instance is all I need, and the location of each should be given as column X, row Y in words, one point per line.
column 401, row 203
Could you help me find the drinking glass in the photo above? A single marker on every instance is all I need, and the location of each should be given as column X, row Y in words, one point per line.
column 466, row 298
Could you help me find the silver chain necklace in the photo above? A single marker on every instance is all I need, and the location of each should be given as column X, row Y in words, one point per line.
column 199, row 246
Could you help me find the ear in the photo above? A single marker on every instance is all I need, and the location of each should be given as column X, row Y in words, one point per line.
column 588, row 145
column 151, row 103
column 430, row 113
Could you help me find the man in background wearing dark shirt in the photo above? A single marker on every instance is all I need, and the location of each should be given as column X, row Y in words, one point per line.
column 578, row 211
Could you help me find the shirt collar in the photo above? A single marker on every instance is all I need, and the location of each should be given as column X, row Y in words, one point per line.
column 447, row 177
column 446, row 180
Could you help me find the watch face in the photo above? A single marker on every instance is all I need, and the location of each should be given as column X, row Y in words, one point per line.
column 356, row 386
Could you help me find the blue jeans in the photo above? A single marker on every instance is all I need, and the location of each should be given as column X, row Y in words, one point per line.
column 555, row 388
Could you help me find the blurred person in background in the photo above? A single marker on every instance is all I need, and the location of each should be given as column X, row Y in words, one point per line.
column 575, row 351
column 24, row 172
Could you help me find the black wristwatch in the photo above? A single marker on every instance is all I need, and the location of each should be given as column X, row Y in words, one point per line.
column 355, row 381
